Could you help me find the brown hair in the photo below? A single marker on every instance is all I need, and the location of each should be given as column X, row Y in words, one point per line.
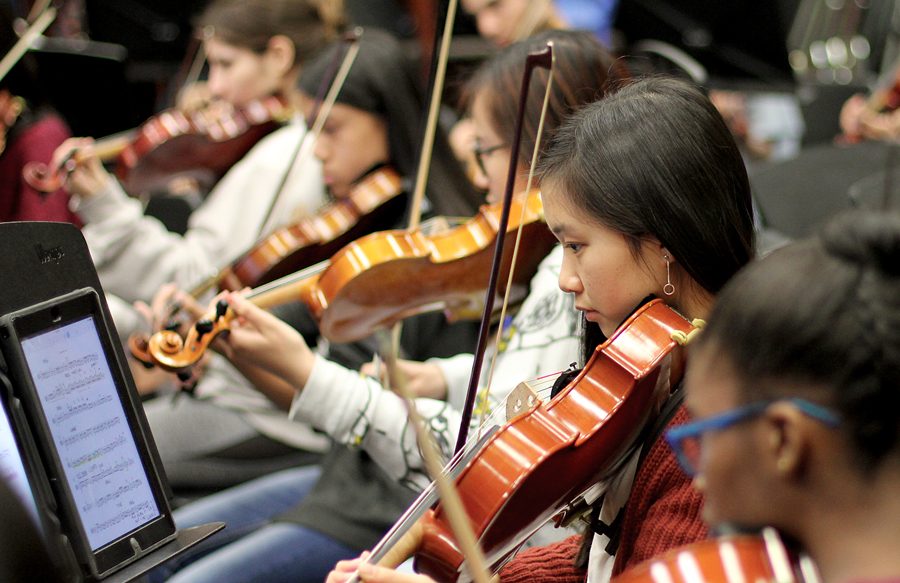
column 585, row 70
column 309, row 24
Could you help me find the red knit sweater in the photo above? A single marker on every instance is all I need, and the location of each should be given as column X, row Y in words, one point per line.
column 662, row 512
column 18, row 200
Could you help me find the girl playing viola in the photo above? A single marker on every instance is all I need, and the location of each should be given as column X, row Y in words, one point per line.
column 794, row 387
column 647, row 193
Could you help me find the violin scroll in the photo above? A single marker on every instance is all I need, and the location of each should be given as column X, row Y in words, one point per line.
column 43, row 178
column 139, row 346
column 175, row 354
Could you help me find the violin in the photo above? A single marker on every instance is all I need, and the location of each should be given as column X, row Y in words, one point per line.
column 390, row 276
column 381, row 279
column 541, row 461
column 583, row 433
column 200, row 145
column 372, row 205
column 740, row 557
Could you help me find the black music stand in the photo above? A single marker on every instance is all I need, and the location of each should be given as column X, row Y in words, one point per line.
column 41, row 262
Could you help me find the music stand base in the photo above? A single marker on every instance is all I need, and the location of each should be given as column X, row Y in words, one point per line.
column 186, row 538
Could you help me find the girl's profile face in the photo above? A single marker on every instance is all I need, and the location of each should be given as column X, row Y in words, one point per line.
column 729, row 463
column 493, row 151
column 238, row 75
column 600, row 269
column 352, row 142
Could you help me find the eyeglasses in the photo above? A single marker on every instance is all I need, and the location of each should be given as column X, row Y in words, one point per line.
column 685, row 439
column 480, row 152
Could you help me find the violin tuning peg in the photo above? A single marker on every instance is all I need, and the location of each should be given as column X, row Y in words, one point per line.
column 221, row 308
column 203, row 327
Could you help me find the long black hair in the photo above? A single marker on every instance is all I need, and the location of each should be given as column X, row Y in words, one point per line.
column 384, row 81
column 656, row 159
column 821, row 319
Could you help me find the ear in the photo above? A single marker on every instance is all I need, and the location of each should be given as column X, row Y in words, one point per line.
column 786, row 441
column 280, row 51
column 665, row 255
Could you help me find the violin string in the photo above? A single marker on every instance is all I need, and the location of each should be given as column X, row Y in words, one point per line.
column 305, row 147
column 515, row 253
column 450, row 499
column 289, row 279
column 258, row 292
column 541, row 386
column 532, row 60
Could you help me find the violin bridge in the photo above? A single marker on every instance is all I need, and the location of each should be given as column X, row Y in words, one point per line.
column 520, row 399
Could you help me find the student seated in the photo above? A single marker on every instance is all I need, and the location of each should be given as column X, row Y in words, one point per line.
column 794, row 387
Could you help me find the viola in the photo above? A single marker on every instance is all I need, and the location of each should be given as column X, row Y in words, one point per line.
column 541, row 461
column 372, row 205
column 200, row 145
column 382, row 278
column 744, row 557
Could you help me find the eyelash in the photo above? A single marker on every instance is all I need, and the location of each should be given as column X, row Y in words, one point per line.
column 573, row 247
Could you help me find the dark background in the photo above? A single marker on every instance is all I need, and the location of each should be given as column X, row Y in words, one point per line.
column 740, row 42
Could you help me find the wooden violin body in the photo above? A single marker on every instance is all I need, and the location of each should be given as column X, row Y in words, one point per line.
column 542, row 460
column 202, row 146
column 374, row 204
column 726, row 559
column 385, row 277
column 382, row 278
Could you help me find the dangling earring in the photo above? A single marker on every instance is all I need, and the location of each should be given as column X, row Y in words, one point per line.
column 668, row 289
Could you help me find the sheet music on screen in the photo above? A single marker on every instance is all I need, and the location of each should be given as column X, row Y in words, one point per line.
column 91, row 433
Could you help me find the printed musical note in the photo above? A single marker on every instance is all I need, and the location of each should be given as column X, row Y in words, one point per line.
column 90, row 432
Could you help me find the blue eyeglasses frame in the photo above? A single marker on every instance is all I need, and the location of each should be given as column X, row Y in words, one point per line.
column 676, row 436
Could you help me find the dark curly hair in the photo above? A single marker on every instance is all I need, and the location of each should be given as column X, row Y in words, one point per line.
column 822, row 316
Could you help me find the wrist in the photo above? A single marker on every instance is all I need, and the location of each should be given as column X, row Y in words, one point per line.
column 303, row 364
